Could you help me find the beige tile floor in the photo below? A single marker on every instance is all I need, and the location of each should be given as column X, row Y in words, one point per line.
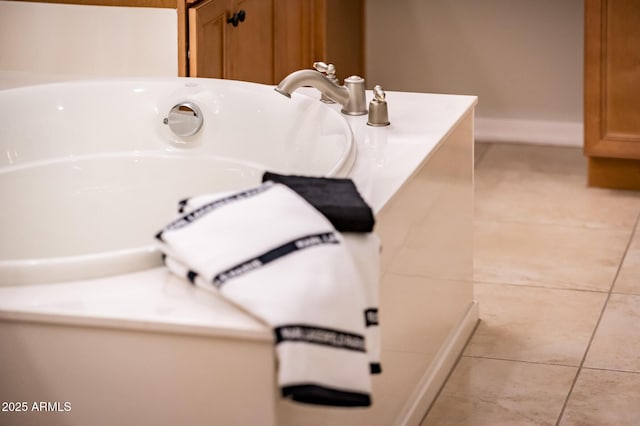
column 557, row 276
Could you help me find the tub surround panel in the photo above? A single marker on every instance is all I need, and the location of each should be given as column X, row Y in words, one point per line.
column 405, row 298
column 435, row 377
column 439, row 242
column 111, row 376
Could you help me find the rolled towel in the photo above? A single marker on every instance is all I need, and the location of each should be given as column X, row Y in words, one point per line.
column 269, row 252
column 337, row 199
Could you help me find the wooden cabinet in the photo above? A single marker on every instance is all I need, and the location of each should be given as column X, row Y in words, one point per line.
column 231, row 39
column 612, row 92
column 275, row 38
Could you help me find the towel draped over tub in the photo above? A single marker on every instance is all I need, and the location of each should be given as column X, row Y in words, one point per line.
column 269, row 251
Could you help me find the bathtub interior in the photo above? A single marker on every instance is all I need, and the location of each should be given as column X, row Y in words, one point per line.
column 243, row 121
column 90, row 171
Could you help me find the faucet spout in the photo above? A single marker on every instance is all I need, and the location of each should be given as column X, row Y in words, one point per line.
column 301, row 78
column 351, row 96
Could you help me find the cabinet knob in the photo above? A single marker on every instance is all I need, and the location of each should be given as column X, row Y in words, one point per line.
column 237, row 17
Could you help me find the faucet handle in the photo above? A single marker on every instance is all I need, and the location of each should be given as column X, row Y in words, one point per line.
column 378, row 93
column 328, row 69
column 378, row 109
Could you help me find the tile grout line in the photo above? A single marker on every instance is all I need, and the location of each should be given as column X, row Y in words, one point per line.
column 595, row 329
column 556, row 224
column 520, row 361
column 613, row 370
column 541, row 287
column 555, row 364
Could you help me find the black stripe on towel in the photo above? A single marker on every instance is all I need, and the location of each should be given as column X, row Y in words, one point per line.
column 371, row 317
column 182, row 204
column 191, row 276
column 209, row 207
column 278, row 252
column 320, row 336
column 322, row 395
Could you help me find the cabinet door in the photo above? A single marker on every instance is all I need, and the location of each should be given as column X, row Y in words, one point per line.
column 207, row 39
column 217, row 49
column 319, row 30
column 294, row 36
column 250, row 55
column 612, row 78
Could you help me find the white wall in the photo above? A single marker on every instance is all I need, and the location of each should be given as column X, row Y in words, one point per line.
column 77, row 40
column 523, row 58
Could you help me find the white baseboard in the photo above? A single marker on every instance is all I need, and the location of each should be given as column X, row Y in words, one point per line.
column 561, row 133
column 435, row 376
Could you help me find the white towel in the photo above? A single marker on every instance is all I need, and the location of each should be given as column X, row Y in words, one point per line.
column 268, row 251
column 365, row 250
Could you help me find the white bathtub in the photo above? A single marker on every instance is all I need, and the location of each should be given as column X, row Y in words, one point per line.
column 88, row 171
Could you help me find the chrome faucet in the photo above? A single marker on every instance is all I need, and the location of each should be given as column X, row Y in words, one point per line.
column 351, row 96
